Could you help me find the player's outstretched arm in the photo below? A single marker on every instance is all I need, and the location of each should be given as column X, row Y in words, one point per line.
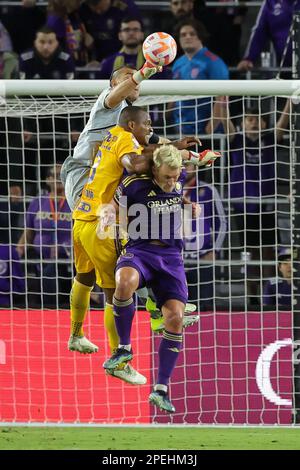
column 121, row 91
column 138, row 164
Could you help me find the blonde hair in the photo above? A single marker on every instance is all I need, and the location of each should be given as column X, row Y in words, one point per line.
column 169, row 155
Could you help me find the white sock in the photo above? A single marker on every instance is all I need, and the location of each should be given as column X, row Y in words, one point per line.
column 125, row 346
column 160, row 387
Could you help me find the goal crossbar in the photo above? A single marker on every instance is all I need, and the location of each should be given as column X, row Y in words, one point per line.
column 154, row 87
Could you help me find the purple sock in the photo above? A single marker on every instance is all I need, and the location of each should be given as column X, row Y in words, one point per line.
column 169, row 349
column 124, row 311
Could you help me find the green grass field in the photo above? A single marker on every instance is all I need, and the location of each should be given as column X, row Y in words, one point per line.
column 110, row 438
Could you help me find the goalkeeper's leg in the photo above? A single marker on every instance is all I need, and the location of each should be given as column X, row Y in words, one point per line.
column 79, row 303
column 156, row 316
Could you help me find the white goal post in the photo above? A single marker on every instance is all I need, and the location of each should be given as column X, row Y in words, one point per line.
column 237, row 365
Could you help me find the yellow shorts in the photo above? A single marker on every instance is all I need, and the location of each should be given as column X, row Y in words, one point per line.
column 93, row 253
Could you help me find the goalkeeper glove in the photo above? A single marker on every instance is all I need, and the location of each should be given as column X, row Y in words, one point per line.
column 145, row 72
column 205, row 158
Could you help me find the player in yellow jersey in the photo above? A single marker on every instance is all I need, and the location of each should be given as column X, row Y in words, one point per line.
column 95, row 258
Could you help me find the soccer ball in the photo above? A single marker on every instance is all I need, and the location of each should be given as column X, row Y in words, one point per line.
column 159, row 49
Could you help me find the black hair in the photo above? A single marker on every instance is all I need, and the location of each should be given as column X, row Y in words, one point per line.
column 130, row 113
column 45, row 30
column 199, row 27
column 129, row 18
column 115, row 73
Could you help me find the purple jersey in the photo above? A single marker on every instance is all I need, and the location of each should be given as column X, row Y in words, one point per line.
column 70, row 33
column 11, row 274
column 161, row 214
column 61, row 66
column 103, row 28
column 252, row 172
column 51, row 222
column 273, row 23
column 277, row 290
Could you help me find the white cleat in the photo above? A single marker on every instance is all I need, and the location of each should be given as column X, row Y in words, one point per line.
column 189, row 320
column 128, row 374
column 82, row 345
column 189, row 308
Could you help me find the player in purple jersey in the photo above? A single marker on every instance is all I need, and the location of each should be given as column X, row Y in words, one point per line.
column 152, row 258
column 278, row 290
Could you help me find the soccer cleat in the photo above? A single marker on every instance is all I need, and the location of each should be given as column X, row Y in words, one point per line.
column 128, row 374
column 162, row 401
column 157, row 325
column 119, row 356
column 82, row 345
column 156, row 318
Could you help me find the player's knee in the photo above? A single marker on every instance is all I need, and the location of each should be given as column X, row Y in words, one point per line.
column 173, row 319
column 88, row 279
column 126, row 284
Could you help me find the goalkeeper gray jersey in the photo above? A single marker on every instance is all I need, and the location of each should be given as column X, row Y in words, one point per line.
column 101, row 119
column 76, row 167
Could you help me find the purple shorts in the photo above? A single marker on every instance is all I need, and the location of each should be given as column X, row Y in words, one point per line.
column 160, row 268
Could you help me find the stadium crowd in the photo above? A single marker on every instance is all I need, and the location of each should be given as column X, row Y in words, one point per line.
column 91, row 39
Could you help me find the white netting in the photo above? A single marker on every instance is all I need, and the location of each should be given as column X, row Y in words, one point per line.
column 233, row 270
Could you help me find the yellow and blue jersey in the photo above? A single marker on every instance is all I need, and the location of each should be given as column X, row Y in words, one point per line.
column 106, row 172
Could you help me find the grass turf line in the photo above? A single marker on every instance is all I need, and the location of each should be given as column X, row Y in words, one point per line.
column 51, row 438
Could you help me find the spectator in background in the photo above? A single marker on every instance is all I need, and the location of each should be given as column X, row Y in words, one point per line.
column 131, row 36
column 272, row 24
column 46, row 59
column 8, row 60
column 197, row 63
column 278, row 290
column 224, row 24
column 64, row 19
column 203, row 249
column 252, row 175
column 48, row 232
column 102, row 20
column 179, row 10
column 22, row 22
column 12, row 283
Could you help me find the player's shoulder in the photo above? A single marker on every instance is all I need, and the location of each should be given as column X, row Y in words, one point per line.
column 210, row 56
column 27, row 56
column 135, row 181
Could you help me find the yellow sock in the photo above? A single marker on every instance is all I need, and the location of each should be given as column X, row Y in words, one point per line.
column 109, row 323
column 79, row 302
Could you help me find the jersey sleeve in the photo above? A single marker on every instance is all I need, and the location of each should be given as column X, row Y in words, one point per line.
column 127, row 144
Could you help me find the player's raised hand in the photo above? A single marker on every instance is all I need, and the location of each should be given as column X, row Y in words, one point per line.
column 146, row 72
column 205, row 158
column 186, row 142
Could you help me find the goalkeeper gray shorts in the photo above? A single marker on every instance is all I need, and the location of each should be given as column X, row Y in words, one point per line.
column 74, row 175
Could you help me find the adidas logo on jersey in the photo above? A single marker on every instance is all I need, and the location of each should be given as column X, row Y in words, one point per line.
column 152, row 193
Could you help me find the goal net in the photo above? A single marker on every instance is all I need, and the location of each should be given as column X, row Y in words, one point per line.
column 237, row 365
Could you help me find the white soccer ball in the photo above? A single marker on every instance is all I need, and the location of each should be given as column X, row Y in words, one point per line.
column 159, row 48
